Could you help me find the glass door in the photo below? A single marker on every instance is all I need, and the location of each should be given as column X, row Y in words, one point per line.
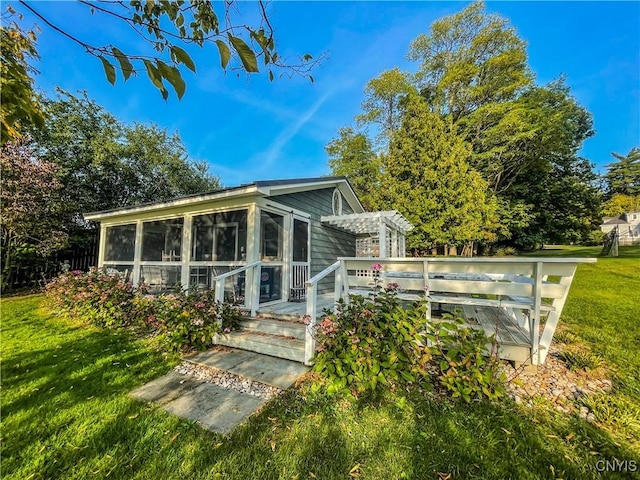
column 272, row 256
column 299, row 258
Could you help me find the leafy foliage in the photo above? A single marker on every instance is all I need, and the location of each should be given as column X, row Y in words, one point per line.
column 351, row 154
column 170, row 27
column 382, row 340
column 523, row 139
column 18, row 101
column 30, row 195
column 620, row 203
column 184, row 321
column 467, row 371
column 428, row 179
column 623, row 175
column 369, row 342
column 383, row 103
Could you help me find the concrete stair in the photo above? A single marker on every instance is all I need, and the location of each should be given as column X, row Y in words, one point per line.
column 269, row 336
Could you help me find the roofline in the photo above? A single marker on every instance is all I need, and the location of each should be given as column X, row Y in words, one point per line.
column 264, row 188
column 240, row 191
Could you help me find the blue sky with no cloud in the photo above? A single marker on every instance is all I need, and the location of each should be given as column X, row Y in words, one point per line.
column 248, row 128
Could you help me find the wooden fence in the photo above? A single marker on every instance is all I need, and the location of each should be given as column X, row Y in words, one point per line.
column 35, row 275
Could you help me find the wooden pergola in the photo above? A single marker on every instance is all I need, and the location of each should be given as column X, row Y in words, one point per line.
column 388, row 229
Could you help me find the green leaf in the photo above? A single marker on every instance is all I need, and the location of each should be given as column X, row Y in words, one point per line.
column 225, row 53
column 125, row 64
column 307, row 57
column 109, row 70
column 154, row 76
column 270, row 76
column 172, row 74
column 183, row 57
column 247, row 56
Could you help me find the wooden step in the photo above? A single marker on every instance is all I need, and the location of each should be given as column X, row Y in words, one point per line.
column 276, row 346
column 285, row 317
column 273, row 326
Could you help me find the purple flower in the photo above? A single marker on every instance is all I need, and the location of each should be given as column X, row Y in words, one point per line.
column 227, row 330
column 376, row 267
column 393, row 286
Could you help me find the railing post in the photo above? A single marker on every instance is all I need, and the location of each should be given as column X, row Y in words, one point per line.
column 255, row 301
column 309, row 339
column 338, row 285
column 537, row 302
column 219, row 295
column 345, row 280
column 425, row 273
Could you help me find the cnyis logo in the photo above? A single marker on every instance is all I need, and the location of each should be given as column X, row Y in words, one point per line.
column 615, row 465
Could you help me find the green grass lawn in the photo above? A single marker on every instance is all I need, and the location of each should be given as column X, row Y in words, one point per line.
column 66, row 413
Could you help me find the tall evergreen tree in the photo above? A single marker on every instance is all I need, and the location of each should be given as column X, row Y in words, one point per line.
column 623, row 175
column 428, row 179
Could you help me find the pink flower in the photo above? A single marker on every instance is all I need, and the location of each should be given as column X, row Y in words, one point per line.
column 227, row 330
column 197, row 322
column 200, row 305
column 393, row 286
column 376, row 267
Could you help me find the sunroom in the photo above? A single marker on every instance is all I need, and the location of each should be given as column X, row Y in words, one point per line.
column 255, row 245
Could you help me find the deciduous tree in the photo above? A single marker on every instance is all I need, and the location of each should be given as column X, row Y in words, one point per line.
column 351, row 154
column 19, row 104
column 30, row 197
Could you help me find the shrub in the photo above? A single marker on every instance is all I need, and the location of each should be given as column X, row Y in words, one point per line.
column 192, row 321
column 595, row 237
column 506, row 252
column 581, row 360
column 106, row 300
column 377, row 340
column 468, row 369
column 370, row 341
column 103, row 299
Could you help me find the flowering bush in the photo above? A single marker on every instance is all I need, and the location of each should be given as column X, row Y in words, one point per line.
column 370, row 341
column 379, row 340
column 193, row 320
column 106, row 300
column 103, row 299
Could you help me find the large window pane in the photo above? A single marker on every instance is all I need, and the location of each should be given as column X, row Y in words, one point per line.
column 162, row 240
column 220, row 237
column 120, row 243
column 160, row 279
column 300, row 241
column 271, row 225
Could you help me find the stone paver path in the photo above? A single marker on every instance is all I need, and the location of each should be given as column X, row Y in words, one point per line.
column 215, row 407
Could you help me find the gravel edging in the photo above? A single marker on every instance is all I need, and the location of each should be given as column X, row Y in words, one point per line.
column 555, row 382
column 228, row 380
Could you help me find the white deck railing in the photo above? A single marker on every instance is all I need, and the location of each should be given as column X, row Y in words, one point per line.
column 252, row 285
column 312, row 305
column 526, row 288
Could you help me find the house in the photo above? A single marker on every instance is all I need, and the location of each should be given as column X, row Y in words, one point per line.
column 627, row 227
column 293, row 228
column 287, row 250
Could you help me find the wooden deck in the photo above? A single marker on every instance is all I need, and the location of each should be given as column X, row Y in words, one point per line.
column 490, row 319
column 291, row 310
column 513, row 340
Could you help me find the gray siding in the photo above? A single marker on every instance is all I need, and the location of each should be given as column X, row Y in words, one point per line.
column 327, row 243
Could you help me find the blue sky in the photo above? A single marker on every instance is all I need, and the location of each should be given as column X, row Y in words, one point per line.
column 248, row 128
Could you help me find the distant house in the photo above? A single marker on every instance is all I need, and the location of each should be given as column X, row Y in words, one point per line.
column 294, row 228
column 626, row 225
